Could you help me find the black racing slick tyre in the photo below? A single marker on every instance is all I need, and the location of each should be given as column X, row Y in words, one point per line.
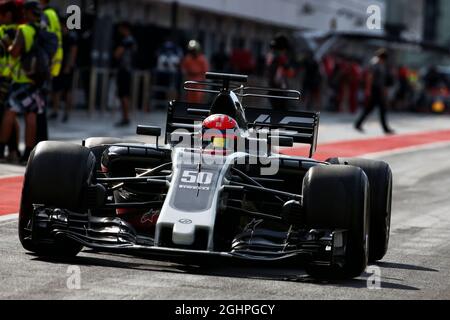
column 337, row 197
column 57, row 175
column 380, row 180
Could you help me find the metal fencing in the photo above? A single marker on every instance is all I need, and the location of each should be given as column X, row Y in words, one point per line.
column 95, row 90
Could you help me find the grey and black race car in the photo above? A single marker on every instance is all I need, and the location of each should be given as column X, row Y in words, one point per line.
column 218, row 187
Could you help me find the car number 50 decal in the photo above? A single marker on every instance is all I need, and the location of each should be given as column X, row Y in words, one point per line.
column 204, row 178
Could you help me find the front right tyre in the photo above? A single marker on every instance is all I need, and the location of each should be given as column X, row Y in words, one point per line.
column 380, row 180
column 337, row 197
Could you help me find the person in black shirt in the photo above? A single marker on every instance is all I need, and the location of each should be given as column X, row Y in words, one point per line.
column 433, row 79
column 10, row 15
column 311, row 81
column 279, row 70
column 377, row 84
column 124, row 55
column 220, row 59
column 62, row 85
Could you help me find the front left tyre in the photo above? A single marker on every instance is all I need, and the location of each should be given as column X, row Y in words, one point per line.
column 57, row 175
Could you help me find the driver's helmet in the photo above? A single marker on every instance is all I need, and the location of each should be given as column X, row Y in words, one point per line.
column 220, row 132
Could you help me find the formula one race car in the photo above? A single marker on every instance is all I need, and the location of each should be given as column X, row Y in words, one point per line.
column 219, row 187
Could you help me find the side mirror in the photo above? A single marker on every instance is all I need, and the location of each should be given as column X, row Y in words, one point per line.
column 148, row 131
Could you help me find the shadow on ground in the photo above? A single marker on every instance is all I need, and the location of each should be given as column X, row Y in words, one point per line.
column 234, row 271
column 392, row 265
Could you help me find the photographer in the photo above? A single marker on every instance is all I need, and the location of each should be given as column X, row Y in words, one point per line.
column 25, row 95
column 10, row 15
column 279, row 69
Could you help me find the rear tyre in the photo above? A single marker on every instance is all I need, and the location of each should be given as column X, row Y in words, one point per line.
column 336, row 197
column 380, row 180
column 57, row 175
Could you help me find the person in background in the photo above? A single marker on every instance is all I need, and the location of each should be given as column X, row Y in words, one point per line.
column 168, row 70
column 340, row 78
column 432, row 79
column 10, row 16
column 312, row 81
column 50, row 20
column 124, row 55
column 220, row 60
column 241, row 60
column 432, row 82
column 279, row 69
column 402, row 94
column 194, row 67
column 354, row 81
column 62, row 84
column 377, row 84
column 25, row 95
column 329, row 92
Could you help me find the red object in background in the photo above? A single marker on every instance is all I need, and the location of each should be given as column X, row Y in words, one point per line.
column 440, row 92
column 289, row 73
column 328, row 65
column 343, row 68
column 358, row 148
column 19, row 3
column 242, row 61
column 18, row 17
column 10, row 189
column 194, row 67
column 403, row 73
column 355, row 78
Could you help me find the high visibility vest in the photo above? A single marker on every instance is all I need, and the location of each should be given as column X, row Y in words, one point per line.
column 4, row 67
column 18, row 75
column 5, row 70
column 54, row 26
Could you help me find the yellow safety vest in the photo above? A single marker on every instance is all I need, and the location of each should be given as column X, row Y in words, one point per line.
column 55, row 27
column 18, row 75
column 5, row 70
column 3, row 60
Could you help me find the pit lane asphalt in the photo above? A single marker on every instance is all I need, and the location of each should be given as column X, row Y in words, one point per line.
column 417, row 265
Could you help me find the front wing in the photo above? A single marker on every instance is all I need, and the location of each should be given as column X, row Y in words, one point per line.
column 112, row 234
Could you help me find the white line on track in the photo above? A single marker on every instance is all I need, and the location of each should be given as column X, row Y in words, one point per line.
column 10, row 176
column 9, row 217
column 428, row 146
